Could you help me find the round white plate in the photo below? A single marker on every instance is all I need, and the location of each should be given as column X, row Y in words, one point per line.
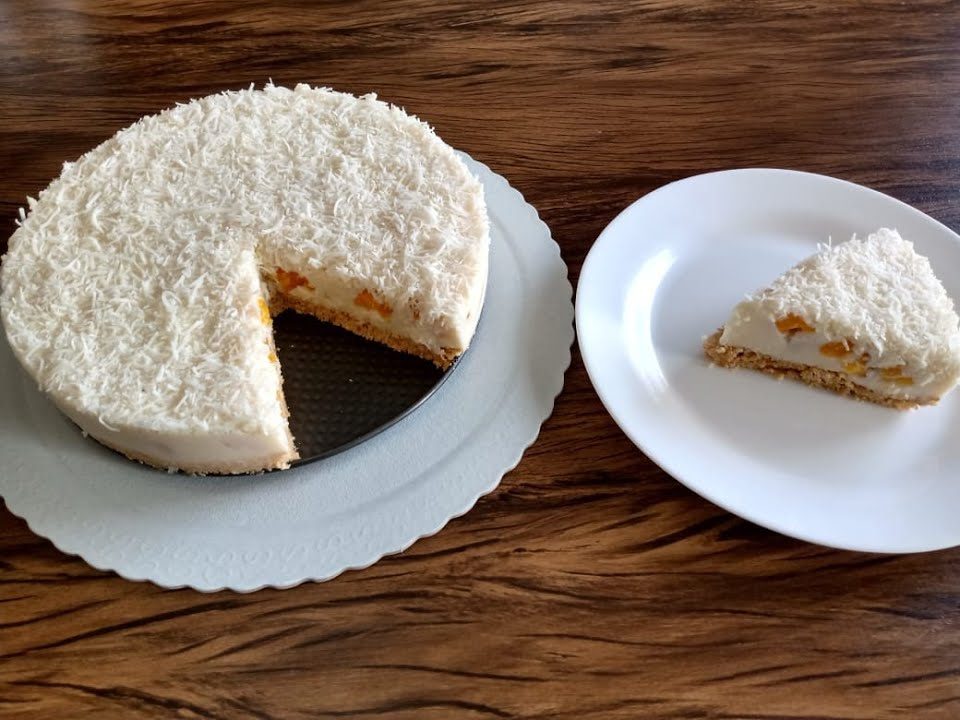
column 347, row 511
column 668, row 270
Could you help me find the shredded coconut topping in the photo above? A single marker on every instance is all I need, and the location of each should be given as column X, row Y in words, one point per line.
column 877, row 292
column 131, row 290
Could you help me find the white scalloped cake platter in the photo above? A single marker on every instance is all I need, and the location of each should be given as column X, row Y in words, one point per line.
column 804, row 462
column 314, row 521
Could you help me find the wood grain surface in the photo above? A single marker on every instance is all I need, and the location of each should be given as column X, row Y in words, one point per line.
column 590, row 585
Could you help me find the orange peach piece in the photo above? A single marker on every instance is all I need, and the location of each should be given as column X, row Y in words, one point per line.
column 895, row 375
column 859, row 366
column 856, row 367
column 290, row 280
column 366, row 300
column 792, row 324
column 835, row 349
column 264, row 311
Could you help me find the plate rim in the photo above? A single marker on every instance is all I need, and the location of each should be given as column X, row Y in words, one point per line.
column 656, row 454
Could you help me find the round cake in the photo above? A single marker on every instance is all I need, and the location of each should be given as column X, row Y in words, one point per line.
column 138, row 290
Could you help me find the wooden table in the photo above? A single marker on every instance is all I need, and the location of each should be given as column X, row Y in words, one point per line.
column 590, row 584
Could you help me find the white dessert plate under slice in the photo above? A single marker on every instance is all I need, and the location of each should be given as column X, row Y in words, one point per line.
column 346, row 511
column 668, row 270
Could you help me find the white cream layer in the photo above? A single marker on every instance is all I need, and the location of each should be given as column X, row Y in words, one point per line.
column 203, row 452
column 751, row 328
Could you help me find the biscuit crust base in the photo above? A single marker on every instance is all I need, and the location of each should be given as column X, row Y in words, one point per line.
column 738, row 357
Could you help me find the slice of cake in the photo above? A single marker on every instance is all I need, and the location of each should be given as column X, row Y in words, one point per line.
column 138, row 291
column 866, row 318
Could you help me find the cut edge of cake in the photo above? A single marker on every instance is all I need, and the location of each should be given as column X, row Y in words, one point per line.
column 837, row 382
column 443, row 359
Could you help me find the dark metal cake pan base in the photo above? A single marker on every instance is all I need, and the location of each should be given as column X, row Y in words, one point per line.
column 342, row 389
